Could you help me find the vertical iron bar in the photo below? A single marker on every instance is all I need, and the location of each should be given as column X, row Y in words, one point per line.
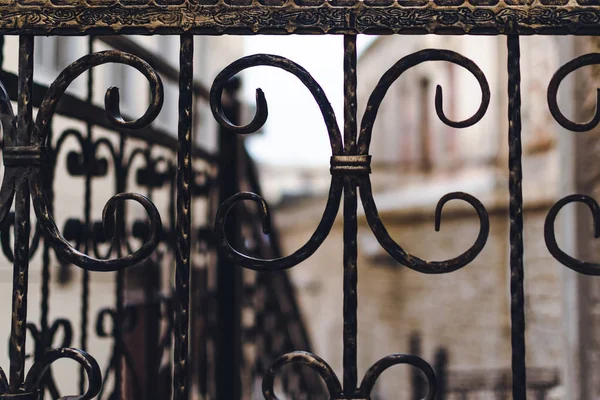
column 350, row 221
column 229, row 275
column 45, row 341
column 119, row 343
column 22, row 223
column 441, row 372
column 121, row 185
column 184, row 174
column 85, row 279
column 350, row 102
column 417, row 379
column 1, row 52
column 516, row 219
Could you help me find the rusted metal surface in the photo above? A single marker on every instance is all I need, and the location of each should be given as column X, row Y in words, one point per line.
column 20, row 157
column 517, row 296
column 184, row 220
column 301, row 16
column 350, row 332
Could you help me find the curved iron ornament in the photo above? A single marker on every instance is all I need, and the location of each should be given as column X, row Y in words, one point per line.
column 335, row 138
column 332, row 382
column 24, row 165
column 350, row 168
column 41, row 206
column 40, row 370
column 557, row 78
column 26, row 160
column 87, row 157
column 342, row 163
column 583, row 267
column 364, row 183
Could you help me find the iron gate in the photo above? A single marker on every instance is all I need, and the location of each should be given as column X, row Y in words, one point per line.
column 28, row 149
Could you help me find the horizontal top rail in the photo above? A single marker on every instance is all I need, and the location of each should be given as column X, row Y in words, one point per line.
column 105, row 17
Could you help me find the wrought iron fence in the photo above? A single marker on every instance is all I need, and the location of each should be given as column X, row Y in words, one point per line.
column 30, row 152
column 138, row 365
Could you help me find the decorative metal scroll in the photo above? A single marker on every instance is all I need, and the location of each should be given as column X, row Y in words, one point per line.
column 84, row 241
column 29, row 173
column 583, row 267
column 350, row 168
column 26, row 156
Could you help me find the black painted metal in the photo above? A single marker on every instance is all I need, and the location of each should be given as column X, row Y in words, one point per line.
column 229, row 277
column 184, row 220
column 350, row 170
column 209, row 318
column 517, row 296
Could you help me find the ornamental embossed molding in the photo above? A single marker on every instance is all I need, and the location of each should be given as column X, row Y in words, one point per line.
column 301, row 16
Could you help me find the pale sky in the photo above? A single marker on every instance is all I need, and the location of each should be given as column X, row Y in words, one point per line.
column 295, row 132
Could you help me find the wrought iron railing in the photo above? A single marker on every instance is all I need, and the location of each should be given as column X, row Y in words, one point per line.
column 140, row 329
column 29, row 151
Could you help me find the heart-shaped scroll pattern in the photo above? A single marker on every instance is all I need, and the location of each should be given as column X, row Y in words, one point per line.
column 334, row 388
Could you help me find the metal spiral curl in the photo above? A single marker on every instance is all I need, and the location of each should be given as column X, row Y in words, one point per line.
column 414, row 262
column 40, row 134
column 580, row 266
column 583, row 267
column 405, row 64
column 348, row 167
column 257, row 264
column 375, row 100
column 312, row 361
column 332, row 382
column 216, row 92
column 364, row 140
column 111, row 99
column 35, row 376
column 258, row 121
column 68, row 253
column 582, row 61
